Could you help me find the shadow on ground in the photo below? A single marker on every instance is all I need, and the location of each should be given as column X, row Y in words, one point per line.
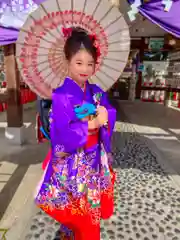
column 29, row 154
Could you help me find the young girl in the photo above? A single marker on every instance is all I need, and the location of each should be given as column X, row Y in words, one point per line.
column 77, row 186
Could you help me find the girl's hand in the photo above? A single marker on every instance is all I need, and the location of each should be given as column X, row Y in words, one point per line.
column 86, row 119
column 102, row 115
column 93, row 124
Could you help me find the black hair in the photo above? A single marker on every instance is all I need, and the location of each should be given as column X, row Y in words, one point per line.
column 78, row 38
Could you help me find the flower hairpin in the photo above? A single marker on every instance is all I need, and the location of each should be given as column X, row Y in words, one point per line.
column 67, row 32
column 96, row 45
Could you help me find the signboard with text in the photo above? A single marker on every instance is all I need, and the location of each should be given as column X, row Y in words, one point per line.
column 156, row 44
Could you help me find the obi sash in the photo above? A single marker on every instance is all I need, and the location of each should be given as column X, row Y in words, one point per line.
column 93, row 138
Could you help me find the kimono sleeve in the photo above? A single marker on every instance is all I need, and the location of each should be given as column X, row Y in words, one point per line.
column 106, row 133
column 111, row 112
column 66, row 130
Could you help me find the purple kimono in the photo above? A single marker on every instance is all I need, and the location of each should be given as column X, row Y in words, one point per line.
column 75, row 172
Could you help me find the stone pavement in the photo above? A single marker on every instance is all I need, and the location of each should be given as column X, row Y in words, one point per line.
column 160, row 125
column 147, row 196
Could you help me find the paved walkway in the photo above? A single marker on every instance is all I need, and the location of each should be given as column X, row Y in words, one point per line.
column 147, row 194
column 20, row 170
column 159, row 124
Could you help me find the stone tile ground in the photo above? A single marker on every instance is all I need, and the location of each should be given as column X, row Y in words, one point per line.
column 147, row 203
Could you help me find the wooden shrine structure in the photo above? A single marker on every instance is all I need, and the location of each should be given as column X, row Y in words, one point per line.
column 12, row 97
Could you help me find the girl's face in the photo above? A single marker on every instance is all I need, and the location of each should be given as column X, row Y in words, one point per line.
column 81, row 67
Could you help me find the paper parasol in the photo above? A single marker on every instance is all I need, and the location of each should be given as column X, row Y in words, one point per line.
column 39, row 48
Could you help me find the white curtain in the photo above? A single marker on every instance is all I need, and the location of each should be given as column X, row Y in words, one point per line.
column 16, row 19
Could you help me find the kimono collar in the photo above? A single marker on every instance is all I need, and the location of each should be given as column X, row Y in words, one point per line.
column 73, row 86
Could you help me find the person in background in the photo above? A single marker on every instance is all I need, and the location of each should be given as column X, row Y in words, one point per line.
column 42, row 119
column 2, row 75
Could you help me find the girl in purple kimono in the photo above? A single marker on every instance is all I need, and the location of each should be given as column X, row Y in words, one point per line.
column 78, row 181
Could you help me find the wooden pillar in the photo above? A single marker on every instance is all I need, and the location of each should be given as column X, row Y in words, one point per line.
column 178, row 100
column 14, row 110
column 139, row 81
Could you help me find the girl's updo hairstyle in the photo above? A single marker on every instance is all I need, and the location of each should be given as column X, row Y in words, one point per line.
column 79, row 38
